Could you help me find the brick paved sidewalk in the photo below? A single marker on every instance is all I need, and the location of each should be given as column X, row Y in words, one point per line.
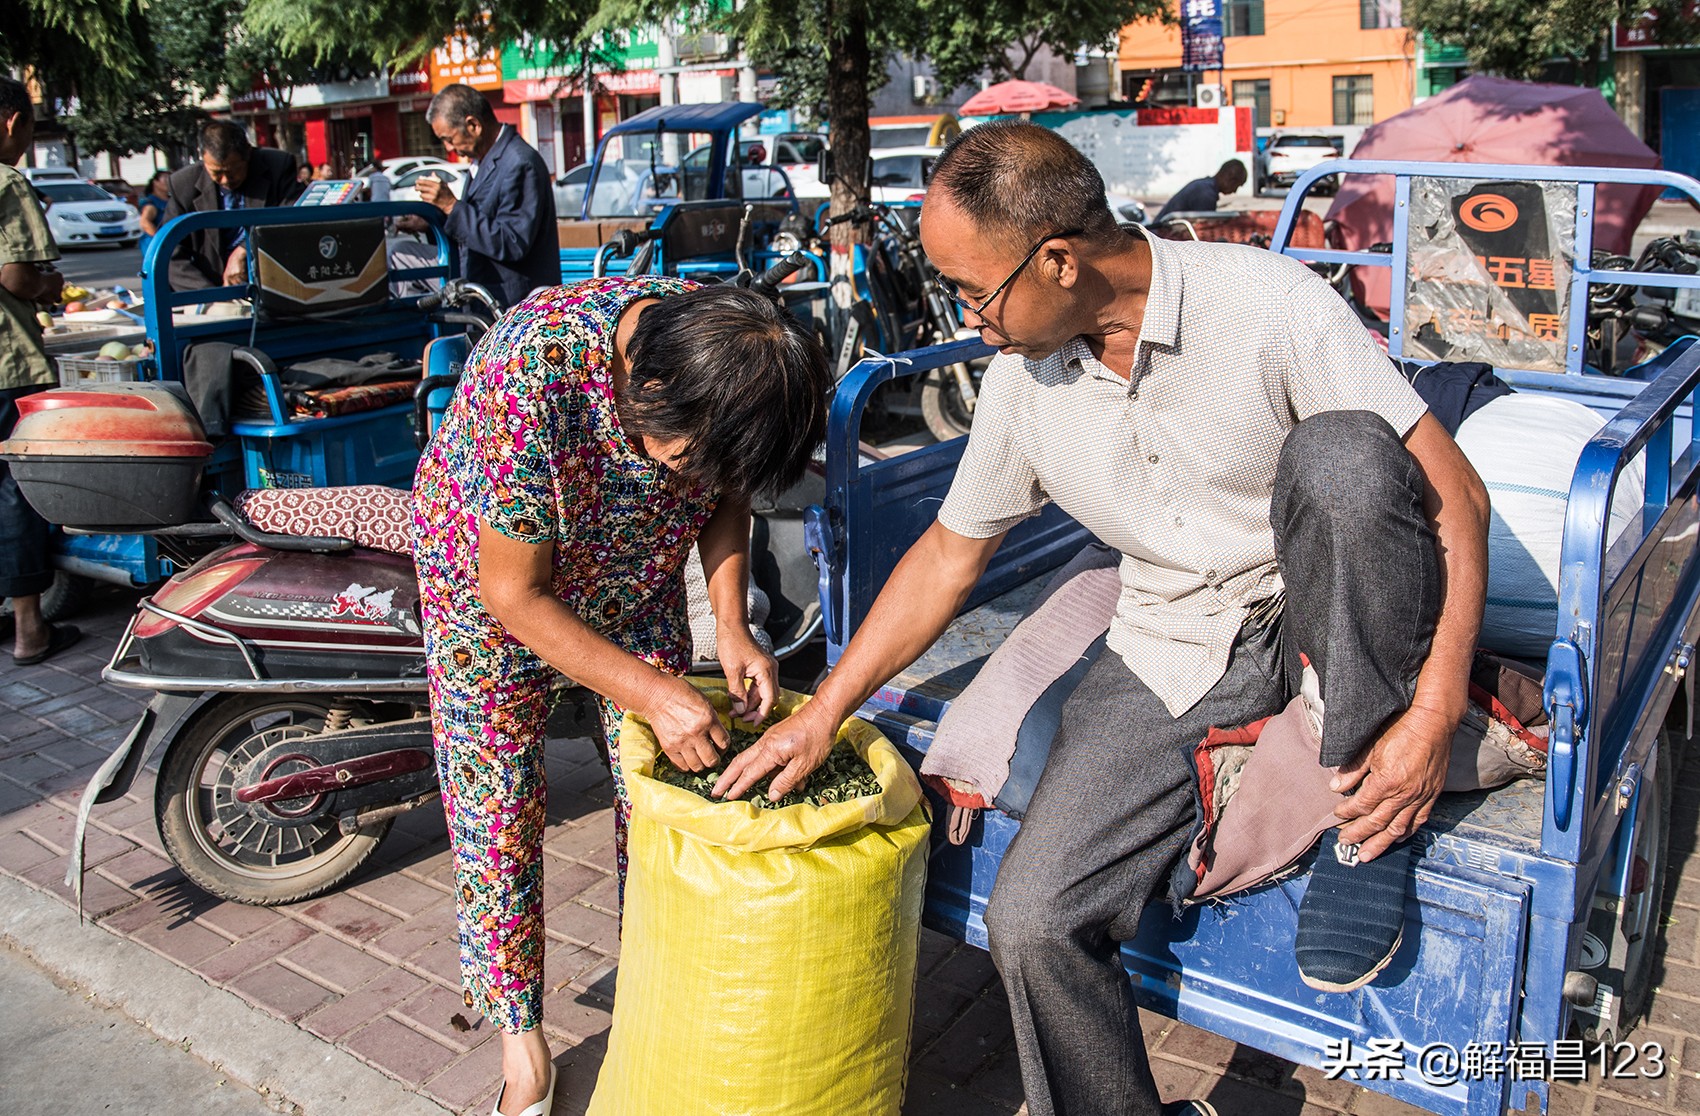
column 372, row 967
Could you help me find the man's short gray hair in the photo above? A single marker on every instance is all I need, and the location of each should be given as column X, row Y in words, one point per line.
column 1023, row 182
column 457, row 102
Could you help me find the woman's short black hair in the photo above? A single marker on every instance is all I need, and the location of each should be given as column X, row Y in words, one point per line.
column 741, row 381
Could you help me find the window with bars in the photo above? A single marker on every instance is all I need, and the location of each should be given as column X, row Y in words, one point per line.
column 1242, row 17
column 417, row 138
column 1354, row 99
column 1377, row 14
column 1254, row 95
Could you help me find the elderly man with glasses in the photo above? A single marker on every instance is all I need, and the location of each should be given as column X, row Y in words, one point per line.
column 1276, row 489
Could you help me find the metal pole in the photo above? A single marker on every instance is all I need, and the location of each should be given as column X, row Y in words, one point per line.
column 589, row 100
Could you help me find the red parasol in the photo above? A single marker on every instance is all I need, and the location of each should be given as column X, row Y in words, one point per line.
column 1496, row 120
column 1018, row 96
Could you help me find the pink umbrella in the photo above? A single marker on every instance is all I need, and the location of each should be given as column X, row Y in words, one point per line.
column 1495, row 120
column 1018, row 96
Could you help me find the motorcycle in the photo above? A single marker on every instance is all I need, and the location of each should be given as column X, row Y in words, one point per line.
column 1629, row 325
column 290, row 715
column 897, row 307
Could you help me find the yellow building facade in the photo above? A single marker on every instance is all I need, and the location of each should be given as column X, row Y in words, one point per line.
column 1297, row 63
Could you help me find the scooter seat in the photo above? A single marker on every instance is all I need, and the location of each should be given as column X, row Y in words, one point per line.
column 370, row 514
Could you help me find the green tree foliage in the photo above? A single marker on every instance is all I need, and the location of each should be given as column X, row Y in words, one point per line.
column 1519, row 38
column 833, row 52
column 91, row 50
column 830, row 55
column 129, row 75
column 391, row 31
column 1004, row 36
column 786, row 42
column 187, row 53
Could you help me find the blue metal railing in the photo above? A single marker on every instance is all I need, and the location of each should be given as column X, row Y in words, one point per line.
column 1599, row 625
column 163, row 301
column 1583, row 274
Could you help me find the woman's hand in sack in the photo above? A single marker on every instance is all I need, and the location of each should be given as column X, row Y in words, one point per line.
column 685, row 725
column 794, row 747
column 752, row 675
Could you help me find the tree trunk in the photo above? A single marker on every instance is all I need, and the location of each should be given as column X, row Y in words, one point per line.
column 1029, row 47
column 848, row 60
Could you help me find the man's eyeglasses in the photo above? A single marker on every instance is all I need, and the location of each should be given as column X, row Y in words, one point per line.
column 954, row 293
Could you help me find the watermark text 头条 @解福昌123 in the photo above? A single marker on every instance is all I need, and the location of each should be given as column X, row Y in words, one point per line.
column 1442, row 1064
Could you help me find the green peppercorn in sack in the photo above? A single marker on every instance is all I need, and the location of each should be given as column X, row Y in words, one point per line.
column 767, row 954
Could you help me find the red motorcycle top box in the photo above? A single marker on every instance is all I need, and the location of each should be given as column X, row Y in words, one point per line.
column 109, row 456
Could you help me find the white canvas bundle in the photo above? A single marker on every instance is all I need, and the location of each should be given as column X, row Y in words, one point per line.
column 1525, row 447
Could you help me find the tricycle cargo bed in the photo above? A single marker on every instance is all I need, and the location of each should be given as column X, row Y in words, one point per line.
column 594, row 232
column 1229, row 967
column 1504, row 940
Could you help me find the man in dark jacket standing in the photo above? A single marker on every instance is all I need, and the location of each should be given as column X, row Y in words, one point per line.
column 232, row 174
column 505, row 225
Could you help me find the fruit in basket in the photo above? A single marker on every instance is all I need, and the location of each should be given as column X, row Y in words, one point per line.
column 73, row 293
column 140, row 351
column 44, row 320
column 114, row 350
column 113, row 304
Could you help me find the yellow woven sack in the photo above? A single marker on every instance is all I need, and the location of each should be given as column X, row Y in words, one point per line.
column 767, row 956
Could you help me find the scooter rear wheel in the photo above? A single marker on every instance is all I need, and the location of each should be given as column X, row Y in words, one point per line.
column 942, row 406
column 262, row 857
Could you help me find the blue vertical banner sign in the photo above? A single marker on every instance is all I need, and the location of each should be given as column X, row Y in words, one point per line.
column 1201, row 35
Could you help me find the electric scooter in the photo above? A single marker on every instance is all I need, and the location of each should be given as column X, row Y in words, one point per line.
column 290, row 717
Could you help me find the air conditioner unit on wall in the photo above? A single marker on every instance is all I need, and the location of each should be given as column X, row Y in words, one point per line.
column 691, row 48
column 1209, row 96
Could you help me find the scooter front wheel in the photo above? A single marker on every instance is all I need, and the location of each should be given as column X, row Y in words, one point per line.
column 279, row 853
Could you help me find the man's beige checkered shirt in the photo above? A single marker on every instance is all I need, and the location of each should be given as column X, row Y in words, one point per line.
column 1175, row 466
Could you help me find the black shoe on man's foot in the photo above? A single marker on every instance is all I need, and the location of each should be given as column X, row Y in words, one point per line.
column 1189, row 1108
column 1352, row 917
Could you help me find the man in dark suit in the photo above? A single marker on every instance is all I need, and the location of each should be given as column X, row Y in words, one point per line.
column 505, row 226
column 232, row 174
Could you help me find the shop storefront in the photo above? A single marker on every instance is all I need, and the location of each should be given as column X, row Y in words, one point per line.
column 1658, row 90
column 348, row 124
column 548, row 84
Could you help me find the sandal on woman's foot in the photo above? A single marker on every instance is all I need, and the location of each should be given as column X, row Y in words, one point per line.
column 58, row 639
column 541, row 1108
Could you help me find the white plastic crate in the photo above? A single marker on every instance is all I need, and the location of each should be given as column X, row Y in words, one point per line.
column 79, row 337
column 83, row 368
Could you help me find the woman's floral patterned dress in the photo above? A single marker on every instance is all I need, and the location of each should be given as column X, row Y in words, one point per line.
column 532, row 445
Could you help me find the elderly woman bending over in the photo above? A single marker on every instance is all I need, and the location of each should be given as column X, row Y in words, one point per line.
column 602, row 430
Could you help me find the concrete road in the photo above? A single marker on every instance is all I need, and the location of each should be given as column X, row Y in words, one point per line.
column 103, row 267
column 68, row 1056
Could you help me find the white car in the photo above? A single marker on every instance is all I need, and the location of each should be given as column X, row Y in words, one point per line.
column 81, row 214
column 900, row 174
column 1291, row 154
column 405, row 187
column 569, row 192
column 887, row 137
column 395, row 168
column 33, row 175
